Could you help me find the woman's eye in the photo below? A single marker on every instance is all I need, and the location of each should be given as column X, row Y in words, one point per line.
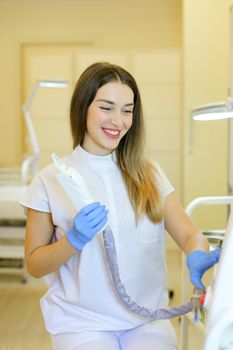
column 128, row 111
column 105, row 108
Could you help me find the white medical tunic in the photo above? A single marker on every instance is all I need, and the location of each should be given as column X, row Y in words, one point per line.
column 81, row 294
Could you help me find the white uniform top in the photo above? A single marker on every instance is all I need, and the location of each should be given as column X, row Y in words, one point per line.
column 81, row 295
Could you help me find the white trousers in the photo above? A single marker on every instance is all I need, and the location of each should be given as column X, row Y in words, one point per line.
column 150, row 336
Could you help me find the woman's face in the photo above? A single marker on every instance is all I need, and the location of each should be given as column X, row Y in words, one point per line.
column 109, row 117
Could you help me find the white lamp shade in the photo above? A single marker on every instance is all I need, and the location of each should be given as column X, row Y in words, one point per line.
column 215, row 111
column 52, row 84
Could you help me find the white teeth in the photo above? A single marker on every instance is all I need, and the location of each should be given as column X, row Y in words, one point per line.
column 111, row 132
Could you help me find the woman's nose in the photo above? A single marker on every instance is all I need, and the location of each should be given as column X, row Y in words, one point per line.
column 117, row 119
column 116, row 122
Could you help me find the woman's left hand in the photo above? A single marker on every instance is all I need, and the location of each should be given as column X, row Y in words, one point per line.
column 199, row 262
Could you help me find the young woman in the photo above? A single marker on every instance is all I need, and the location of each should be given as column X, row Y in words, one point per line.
column 81, row 308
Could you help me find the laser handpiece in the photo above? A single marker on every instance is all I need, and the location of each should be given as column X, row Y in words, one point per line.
column 77, row 191
column 73, row 184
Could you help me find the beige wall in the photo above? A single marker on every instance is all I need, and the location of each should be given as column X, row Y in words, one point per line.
column 205, row 73
column 135, row 24
column 102, row 24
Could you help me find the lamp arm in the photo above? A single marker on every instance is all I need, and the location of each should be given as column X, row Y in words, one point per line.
column 30, row 164
column 29, row 123
column 32, row 134
column 28, row 102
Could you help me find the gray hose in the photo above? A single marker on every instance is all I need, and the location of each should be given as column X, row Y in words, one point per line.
column 160, row 314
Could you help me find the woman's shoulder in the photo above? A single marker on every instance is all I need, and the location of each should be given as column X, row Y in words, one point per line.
column 48, row 170
column 162, row 179
column 44, row 175
column 156, row 168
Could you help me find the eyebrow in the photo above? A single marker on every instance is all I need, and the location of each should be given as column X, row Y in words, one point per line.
column 112, row 103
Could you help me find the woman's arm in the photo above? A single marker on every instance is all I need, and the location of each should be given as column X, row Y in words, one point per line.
column 41, row 255
column 181, row 228
column 190, row 239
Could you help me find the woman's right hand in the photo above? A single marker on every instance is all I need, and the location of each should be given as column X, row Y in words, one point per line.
column 86, row 224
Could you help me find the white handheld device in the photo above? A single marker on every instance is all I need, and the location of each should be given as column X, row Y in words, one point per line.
column 79, row 195
column 73, row 184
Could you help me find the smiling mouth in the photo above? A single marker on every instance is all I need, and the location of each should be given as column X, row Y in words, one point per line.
column 111, row 133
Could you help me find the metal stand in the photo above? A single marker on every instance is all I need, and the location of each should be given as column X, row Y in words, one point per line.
column 215, row 238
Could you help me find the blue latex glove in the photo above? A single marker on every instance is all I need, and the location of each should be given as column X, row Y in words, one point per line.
column 86, row 224
column 199, row 262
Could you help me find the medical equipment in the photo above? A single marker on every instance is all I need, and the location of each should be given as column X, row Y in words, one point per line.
column 31, row 162
column 13, row 184
column 73, row 184
column 219, row 325
column 75, row 188
column 215, row 238
column 214, row 111
column 197, row 304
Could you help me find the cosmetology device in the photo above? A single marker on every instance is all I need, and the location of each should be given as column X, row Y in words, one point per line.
column 219, row 325
column 74, row 186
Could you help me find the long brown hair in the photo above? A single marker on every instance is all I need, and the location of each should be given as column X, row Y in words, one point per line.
column 138, row 173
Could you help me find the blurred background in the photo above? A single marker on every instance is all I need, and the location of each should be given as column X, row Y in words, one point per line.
column 178, row 51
